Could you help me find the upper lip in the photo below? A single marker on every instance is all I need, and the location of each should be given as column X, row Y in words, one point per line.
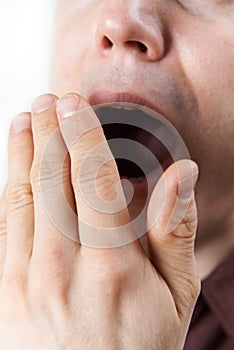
column 106, row 96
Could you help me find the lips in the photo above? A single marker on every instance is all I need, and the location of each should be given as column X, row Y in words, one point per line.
column 100, row 97
column 124, row 117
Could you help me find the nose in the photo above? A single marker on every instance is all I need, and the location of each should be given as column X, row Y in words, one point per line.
column 125, row 25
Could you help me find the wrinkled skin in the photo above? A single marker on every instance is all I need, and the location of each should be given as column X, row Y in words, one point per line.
column 187, row 72
column 56, row 293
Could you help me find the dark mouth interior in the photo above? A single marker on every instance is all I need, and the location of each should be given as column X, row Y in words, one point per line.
column 131, row 125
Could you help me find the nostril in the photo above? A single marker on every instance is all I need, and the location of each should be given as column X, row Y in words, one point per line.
column 141, row 46
column 107, row 44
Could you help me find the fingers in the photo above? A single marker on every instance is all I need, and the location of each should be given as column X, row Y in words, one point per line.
column 20, row 202
column 3, row 228
column 172, row 224
column 50, row 179
column 103, row 214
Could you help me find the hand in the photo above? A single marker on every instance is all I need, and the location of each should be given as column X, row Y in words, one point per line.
column 58, row 294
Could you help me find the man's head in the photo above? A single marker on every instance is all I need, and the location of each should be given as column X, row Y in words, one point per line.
column 177, row 55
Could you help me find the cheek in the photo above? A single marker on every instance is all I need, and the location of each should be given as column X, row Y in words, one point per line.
column 207, row 56
column 209, row 65
column 71, row 47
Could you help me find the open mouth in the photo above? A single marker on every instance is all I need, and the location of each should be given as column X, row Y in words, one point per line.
column 142, row 142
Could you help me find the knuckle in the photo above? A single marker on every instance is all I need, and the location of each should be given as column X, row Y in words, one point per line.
column 107, row 288
column 100, row 173
column 14, row 282
column 2, row 229
column 44, row 123
column 20, row 196
column 47, row 158
column 46, row 127
column 195, row 288
column 48, row 171
column 53, row 261
column 35, row 171
column 52, row 273
column 107, row 279
column 107, row 174
column 108, row 293
column 18, row 149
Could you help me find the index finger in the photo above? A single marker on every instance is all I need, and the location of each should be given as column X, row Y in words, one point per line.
column 102, row 209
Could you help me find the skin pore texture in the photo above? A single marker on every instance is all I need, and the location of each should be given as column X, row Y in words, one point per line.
column 187, row 71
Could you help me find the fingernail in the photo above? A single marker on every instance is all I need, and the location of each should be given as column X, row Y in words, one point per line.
column 21, row 122
column 42, row 103
column 68, row 105
column 186, row 187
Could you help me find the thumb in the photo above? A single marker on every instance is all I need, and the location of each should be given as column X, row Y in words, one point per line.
column 172, row 224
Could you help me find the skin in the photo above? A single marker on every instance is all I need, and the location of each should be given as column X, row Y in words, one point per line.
column 56, row 293
column 187, row 79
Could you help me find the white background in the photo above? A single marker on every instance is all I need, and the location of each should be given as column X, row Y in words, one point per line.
column 25, row 36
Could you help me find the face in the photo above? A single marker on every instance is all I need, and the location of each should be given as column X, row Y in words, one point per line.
column 177, row 55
